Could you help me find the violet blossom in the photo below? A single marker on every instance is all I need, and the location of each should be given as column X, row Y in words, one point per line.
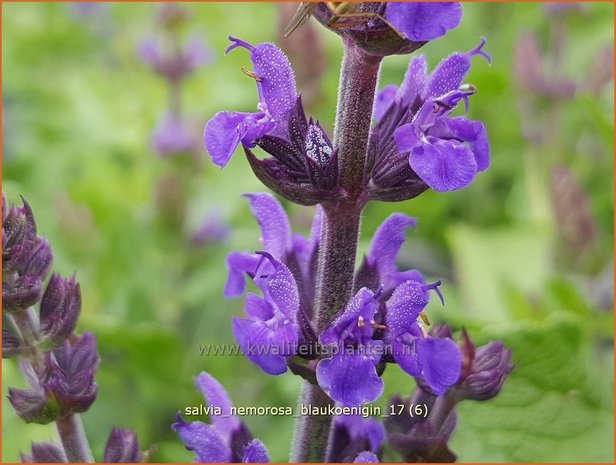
column 355, row 439
column 225, row 439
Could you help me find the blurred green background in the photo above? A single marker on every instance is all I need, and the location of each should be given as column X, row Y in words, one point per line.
column 525, row 252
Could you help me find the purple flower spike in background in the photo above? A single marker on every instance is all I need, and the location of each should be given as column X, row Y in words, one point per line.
column 435, row 360
column 349, row 376
column 226, row 439
column 172, row 136
column 171, row 65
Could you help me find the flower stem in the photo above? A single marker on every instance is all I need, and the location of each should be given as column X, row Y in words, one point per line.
column 74, row 441
column 338, row 245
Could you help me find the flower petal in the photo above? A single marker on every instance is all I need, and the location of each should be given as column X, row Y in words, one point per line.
column 223, row 134
column 420, row 21
column 239, row 263
column 444, row 165
column 386, row 244
column 414, row 80
column 403, row 307
column 473, row 132
column 255, row 452
column 257, row 308
column 362, row 305
column 216, row 396
column 450, row 72
column 274, row 224
column 440, row 361
column 349, row 378
column 383, row 101
column 264, row 345
column 204, row 440
column 279, row 289
column 406, row 138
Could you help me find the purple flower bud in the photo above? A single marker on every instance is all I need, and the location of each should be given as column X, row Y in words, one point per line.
column 10, row 343
column 388, row 28
column 26, row 258
column 60, row 308
column 44, row 452
column 485, row 370
column 21, row 293
column 122, row 447
column 416, row 144
column 70, row 373
column 34, row 406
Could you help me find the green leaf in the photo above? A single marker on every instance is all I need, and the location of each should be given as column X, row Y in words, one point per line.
column 556, row 405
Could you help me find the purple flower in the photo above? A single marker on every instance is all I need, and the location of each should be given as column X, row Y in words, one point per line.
column 436, row 360
column 353, row 435
column 277, row 97
column 271, row 333
column 416, row 144
column 171, row 64
column 226, row 439
column 122, row 447
column 303, row 166
column 349, row 376
column 387, row 28
column 172, row 136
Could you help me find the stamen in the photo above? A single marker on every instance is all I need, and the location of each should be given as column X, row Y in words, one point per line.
column 378, row 326
column 251, row 74
column 360, row 322
column 424, row 318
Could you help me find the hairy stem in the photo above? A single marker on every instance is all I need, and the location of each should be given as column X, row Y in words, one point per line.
column 73, row 438
column 338, row 246
column 358, row 79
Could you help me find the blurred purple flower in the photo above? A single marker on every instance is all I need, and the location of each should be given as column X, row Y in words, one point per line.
column 212, row 230
column 226, row 439
column 172, row 136
column 171, row 64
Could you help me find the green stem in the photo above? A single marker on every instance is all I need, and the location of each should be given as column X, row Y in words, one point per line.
column 338, row 245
